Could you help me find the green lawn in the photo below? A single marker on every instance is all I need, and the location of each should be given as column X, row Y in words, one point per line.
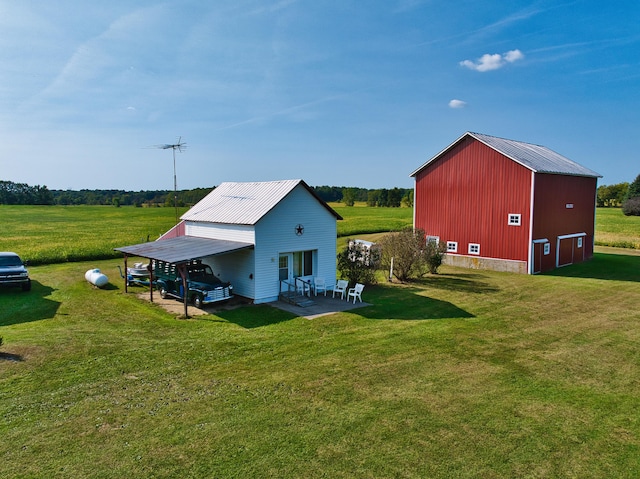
column 617, row 230
column 50, row 234
column 465, row 374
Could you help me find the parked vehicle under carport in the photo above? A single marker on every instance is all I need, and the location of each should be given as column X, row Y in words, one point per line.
column 203, row 286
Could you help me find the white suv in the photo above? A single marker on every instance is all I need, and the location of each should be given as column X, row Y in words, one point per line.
column 13, row 271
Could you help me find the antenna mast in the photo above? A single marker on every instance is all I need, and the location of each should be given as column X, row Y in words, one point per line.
column 180, row 145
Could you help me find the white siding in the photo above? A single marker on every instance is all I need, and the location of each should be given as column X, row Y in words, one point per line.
column 242, row 233
column 254, row 273
column 236, row 268
column 276, row 233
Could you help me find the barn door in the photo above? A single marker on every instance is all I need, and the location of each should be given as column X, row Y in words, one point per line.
column 536, row 266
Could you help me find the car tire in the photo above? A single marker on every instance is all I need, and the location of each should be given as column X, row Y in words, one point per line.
column 197, row 301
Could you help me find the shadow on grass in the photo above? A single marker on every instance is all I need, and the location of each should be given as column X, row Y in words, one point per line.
column 407, row 304
column 616, row 267
column 17, row 306
column 10, row 357
column 255, row 316
column 461, row 282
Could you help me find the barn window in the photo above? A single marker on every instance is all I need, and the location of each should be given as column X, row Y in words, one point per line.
column 514, row 219
column 452, row 246
column 580, row 242
column 547, row 248
column 433, row 239
column 474, row 248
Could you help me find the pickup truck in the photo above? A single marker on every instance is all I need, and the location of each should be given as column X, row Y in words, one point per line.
column 13, row 271
column 203, row 287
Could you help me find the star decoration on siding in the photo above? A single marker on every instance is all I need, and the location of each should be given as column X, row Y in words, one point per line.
column 299, row 230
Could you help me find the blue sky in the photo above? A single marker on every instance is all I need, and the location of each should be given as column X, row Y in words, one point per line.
column 342, row 93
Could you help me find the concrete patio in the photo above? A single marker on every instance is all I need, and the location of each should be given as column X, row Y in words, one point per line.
column 322, row 306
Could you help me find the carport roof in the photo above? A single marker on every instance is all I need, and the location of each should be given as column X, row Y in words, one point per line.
column 183, row 248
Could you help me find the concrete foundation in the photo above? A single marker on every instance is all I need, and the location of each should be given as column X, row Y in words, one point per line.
column 476, row 262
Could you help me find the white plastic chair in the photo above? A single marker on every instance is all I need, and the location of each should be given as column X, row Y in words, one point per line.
column 356, row 292
column 319, row 285
column 303, row 286
column 340, row 287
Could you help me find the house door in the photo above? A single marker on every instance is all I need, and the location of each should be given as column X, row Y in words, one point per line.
column 285, row 267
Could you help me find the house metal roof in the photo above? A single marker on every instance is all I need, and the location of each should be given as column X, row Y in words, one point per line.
column 245, row 203
column 183, row 248
column 539, row 159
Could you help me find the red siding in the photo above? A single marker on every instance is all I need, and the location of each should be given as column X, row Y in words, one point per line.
column 552, row 218
column 466, row 196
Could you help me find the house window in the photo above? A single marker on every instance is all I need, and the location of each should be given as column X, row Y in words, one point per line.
column 452, row 246
column 580, row 242
column 474, row 248
column 302, row 263
column 547, row 248
column 514, row 219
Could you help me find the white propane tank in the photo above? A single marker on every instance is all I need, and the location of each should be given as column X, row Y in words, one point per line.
column 96, row 278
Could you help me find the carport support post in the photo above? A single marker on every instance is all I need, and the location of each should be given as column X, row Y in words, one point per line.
column 126, row 283
column 183, row 274
column 150, row 269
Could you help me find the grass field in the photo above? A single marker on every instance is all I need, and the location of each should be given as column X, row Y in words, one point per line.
column 465, row 374
column 53, row 234
column 615, row 229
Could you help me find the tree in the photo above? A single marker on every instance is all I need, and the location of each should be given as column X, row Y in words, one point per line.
column 358, row 262
column 407, row 199
column 349, row 196
column 611, row 195
column 634, row 189
column 631, row 204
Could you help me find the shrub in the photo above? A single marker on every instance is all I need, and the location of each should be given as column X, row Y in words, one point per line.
column 631, row 207
column 434, row 254
column 358, row 263
column 412, row 256
column 403, row 249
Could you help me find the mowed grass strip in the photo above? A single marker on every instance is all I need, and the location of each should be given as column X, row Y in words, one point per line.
column 463, row 374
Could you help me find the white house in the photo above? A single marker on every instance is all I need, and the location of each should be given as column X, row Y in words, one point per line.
column 254, row 234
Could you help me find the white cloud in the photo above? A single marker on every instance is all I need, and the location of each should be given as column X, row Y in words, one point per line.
column 488, row 62
column 457, row 104
column 513, row 55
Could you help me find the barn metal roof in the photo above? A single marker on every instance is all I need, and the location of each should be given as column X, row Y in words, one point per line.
column 183, row 248
column 539, row 159
column 245, row 203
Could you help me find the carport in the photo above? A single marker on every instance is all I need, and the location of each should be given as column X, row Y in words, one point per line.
column 179, row 251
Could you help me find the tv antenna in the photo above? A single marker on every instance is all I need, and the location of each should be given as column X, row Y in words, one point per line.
column 180, row 146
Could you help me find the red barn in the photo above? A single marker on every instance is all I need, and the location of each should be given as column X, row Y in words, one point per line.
column 506, row 205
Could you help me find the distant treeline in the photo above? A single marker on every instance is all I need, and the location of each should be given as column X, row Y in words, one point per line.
column 22, row 194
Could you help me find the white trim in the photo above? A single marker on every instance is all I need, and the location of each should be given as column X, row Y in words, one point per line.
column 454, row 245
column 516, row 217
column 542, row 240
column 562, row 237
column 574, row 235
column 469, row 249
column 531, row 198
